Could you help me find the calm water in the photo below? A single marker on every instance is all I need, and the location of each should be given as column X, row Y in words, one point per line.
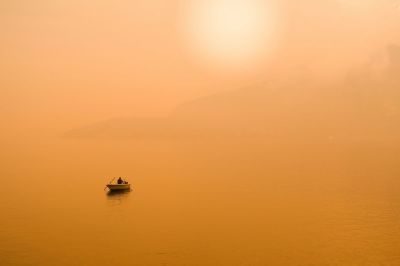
column 199, row 203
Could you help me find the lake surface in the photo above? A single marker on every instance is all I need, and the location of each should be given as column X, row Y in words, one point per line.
column 230, row 202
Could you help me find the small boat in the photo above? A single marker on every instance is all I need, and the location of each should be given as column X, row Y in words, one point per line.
column 115, row 187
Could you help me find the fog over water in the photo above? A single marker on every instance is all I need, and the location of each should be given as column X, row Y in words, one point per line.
column 240, row 202
column 286, row 156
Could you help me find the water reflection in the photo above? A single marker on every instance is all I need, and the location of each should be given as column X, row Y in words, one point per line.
column 117, row 197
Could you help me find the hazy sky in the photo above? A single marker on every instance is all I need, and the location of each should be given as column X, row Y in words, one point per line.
column 67, row 63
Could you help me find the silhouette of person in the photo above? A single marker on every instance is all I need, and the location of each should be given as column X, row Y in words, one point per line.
column 120, row 181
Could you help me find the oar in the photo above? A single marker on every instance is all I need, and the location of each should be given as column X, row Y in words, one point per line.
column 110, row 182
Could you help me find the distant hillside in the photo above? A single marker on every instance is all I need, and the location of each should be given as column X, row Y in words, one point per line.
column 356, row 108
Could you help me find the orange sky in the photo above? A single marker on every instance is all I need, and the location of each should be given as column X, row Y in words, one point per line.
column 67, row 63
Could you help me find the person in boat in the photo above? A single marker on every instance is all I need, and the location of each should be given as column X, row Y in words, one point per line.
column 120, row 181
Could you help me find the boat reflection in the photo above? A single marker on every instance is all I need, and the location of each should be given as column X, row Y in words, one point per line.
column 116, row 197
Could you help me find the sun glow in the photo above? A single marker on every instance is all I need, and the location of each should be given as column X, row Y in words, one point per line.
column 229, row 34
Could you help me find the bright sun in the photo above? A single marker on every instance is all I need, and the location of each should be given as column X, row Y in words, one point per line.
column 229, row 33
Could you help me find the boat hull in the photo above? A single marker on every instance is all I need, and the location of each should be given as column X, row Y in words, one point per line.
column 115, row 187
